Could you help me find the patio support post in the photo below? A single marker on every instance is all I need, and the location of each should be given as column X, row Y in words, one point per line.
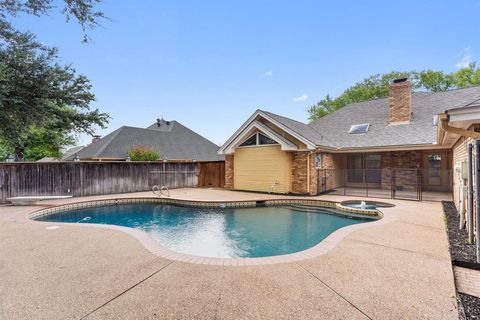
column 477, row 196
column 469, row 194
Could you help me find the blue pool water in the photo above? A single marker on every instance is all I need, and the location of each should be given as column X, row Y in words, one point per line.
column 217, row 232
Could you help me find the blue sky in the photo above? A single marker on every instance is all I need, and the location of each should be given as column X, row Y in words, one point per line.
column 210, row 64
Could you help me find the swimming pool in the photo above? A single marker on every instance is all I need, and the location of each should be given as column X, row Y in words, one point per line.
column 219, row 232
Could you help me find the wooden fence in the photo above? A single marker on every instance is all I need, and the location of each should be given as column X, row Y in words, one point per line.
column 212, row 174
column 96, row 178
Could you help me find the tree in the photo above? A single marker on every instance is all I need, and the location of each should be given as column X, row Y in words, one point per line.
column 40, row 98
column 373, row 87
column 83, row 11
column 376, row 86
column 42, row 103
column 143, row 153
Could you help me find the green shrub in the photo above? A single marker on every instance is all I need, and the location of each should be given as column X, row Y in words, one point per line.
column 143, row 153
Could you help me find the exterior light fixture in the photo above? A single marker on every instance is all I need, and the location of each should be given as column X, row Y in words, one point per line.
column 10, row 158
column 77, row 158
column 194, row 160
column 128, row 159
column 165, row 160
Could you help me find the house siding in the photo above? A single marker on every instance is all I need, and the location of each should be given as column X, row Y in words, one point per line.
column 262, row 168
column 459, row 156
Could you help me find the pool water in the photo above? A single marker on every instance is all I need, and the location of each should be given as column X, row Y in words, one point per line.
column 219, row 232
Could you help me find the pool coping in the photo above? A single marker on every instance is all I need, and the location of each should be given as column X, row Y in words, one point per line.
column 156, row 248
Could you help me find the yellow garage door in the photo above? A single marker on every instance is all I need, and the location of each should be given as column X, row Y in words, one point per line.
column 260, row 168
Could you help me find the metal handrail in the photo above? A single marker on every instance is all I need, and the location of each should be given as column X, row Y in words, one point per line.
column 159, row 191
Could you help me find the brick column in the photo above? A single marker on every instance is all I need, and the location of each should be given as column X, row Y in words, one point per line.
column 300, row 170
column 229, row 171
column 313, row 175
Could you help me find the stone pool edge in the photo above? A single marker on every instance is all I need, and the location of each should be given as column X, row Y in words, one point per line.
column 153, row 246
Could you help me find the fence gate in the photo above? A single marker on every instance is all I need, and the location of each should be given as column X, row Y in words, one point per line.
column 407, row 184
column 211, row 174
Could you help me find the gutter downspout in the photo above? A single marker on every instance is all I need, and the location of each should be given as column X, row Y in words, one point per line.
column 469, row 193
column 476, row 152
column 308, row 172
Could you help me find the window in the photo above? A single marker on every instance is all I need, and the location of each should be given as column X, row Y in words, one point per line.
column 265, row 140
column 258, row 139
column 364, row 167
column 318, row 160
column 252, row 141
column 434, row 165
column 359, row 128
column 355, row 167
column 373, row 166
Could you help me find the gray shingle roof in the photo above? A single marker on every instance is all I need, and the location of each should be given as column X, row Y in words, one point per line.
column 174, row 141
column 332, row 130
column 302, row 129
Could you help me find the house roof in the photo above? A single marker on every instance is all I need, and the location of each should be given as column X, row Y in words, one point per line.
column 301, row 128
column 332, row 130
column 71, row 152
column 173, row 140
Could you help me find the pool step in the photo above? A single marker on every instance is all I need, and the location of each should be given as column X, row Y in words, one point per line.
column 305, row 208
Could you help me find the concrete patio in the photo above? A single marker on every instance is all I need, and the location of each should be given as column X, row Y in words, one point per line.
column 397, row 270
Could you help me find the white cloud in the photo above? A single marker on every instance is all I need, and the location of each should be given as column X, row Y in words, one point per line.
column 466, row 59
column 303, row 97
column 267, row 73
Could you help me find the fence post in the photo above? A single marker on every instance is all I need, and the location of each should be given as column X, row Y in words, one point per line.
column 392, row 183
column 366, row 182
column 419, row 184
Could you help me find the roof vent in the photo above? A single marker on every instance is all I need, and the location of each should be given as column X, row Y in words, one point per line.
column 161, row 122
column 359, row 128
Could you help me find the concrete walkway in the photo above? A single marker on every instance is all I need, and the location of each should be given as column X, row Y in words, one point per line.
column 397, row 270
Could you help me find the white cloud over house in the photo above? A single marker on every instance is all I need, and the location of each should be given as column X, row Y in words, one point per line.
column 303, row 97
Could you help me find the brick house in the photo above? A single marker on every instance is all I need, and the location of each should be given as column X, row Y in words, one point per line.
column 403, row 145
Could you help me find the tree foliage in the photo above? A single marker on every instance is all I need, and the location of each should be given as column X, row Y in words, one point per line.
column 376, row 86
column 41, row 98
column 43, row 104
column 83, row 11
column 143, row 153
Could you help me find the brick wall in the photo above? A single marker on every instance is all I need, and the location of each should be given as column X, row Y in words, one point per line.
column 300, row 161
column 299, row 172
column 400, row 160
column 400, row 100
column 229, row 171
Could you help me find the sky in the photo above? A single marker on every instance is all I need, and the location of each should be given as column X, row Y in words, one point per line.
column 211, row 64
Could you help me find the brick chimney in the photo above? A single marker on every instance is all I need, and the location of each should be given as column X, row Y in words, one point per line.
column 400, row 101
column 95, row 138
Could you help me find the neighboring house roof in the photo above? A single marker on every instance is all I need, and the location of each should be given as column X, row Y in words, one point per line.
column 173, row 140
column 71, row 152
column 47, row 159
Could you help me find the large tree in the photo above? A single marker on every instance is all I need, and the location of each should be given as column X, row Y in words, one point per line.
column 41, row 101
column 43, row 104
column 376, row 86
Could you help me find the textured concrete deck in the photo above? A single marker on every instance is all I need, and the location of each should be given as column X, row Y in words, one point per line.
column 397, row 270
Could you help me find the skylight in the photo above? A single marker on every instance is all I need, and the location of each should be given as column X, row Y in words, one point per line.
column 359, row 128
